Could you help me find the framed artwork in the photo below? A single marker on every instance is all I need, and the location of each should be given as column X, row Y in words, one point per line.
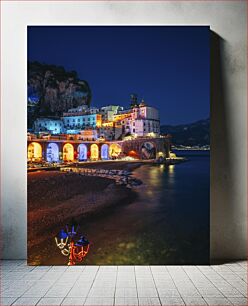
column 118, row 145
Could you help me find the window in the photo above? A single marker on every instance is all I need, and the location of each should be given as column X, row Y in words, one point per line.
column 133, row 123
column 133, row 130
column 78, row 120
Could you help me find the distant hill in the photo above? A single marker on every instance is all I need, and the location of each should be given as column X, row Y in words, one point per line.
column 52, row 90
column 193, row 134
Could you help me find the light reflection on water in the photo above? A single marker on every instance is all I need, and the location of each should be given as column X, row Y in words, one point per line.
column 167, row 224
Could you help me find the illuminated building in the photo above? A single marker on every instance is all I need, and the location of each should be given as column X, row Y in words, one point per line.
column 50, row 125
column 68, row 152
column 88, row 135
column 82, row 152
column 52, row 152
column 34, row 152
column 140, row 121
column 94, row 152
column 111, row 122
column 112, row 132
column 105, row 152
column 109, row 111
column 79, row 109
column 114, row 150
column 74, row 123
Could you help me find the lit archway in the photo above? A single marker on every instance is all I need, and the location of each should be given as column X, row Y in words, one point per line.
column 82, row 152
column 94, row 152
column 104, row 151
column 133, row 154
column 148, row 151
column 34, row 152
column 68, row 152
column 52, row 153
column 160, row 154
column 114, row 150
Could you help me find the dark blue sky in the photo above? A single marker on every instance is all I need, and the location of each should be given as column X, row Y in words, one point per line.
column 167, row 66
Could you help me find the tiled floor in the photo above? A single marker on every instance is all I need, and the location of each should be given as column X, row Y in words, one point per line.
column 123, row 285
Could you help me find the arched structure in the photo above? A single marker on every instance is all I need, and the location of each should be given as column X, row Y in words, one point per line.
column 105, row 152
column 148, row 150
column 160, row 154
column 68, row 152
column 82, row 152
column 94, row 152
column 72, row 150
column 52, row 152
column 34, row 152
column 133, row 154
column 114, row 150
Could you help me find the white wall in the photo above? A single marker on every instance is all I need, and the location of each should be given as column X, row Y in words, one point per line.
column 229, row 142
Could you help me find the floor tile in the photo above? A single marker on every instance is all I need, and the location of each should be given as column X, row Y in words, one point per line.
column 230, row 292
column 147, row 292
column 217, row 301
column 164, row 292
column 126, row 283
column 79, row 291
column 166, row 301
column 126, row 292
column 125, row 269
column 26, row 301
column 210, row 292
column 99, row 301
column 50, row 301
column 194, row 301
column 142, row 282
column 102, row 292
column 122, row 301
column 73, row 301
column 123, row 285
column 58, row 291
column 7, row 301
column 149, row 301
column 239, row 301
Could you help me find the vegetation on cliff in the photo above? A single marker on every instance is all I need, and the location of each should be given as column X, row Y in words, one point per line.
column 52, row 90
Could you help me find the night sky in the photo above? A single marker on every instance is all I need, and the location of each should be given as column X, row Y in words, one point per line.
column 167, row 66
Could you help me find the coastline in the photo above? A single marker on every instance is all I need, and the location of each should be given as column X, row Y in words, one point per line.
column 55, row 198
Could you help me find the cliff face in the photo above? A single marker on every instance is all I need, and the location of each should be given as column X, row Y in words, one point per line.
column 52, row 91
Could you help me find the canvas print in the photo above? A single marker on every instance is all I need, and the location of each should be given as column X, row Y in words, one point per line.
column 118, row 145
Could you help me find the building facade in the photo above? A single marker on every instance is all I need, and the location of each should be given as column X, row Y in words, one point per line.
column 139, row 121
column 111, row 122
column 49, row 125
column 74, row 123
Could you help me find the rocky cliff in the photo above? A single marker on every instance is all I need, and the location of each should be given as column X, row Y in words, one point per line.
column 52, row 90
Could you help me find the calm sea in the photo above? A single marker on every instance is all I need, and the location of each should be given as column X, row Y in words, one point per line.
column 167, row 224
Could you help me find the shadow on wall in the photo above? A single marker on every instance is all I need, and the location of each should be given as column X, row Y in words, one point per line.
column 224, row 230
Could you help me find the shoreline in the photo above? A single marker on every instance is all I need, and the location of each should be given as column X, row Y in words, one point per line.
column 56, row 198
